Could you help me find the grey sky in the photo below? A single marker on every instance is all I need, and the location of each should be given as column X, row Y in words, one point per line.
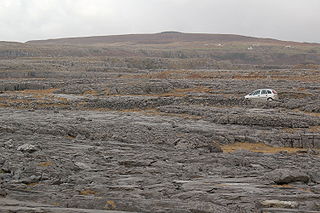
column 22, row 20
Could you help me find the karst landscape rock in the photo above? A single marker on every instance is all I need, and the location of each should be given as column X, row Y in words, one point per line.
column 159, row 123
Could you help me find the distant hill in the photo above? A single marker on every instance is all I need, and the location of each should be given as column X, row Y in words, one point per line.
column 158, row 38
column 191, row 47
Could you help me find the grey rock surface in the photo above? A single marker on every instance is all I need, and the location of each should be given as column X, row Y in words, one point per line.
column 77, row 135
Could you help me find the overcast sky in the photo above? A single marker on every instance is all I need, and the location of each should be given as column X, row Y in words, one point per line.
column 23, row 20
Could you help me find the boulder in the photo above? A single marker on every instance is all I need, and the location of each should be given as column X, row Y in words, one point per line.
column 214, row 147
column 285, row 176
column 82, row 166
column 315, row 176
column 8, row 144
column 27, row 148
column 3, row 193
column 316, row 189
column 279, row 204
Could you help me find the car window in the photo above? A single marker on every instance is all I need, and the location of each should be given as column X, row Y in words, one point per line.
column 269, row 92
column 263, row 92
column 256, row 92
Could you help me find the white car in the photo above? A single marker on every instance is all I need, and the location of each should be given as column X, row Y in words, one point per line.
column 263, row 94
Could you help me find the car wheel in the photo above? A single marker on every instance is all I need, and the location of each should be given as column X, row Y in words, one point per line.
column 269, row 99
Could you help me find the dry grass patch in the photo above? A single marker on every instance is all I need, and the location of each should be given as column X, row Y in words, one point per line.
column 287, row 186
column 314, row 129
column 201, row 75
column 81, row 107
column 81, row 104
column 107, row 91
column 40, row 91
column 45, row 164
column 33, row 184
column 284, row 186
column 313, row 114
column 36, row 93
column 258, row 147
column 61, row 99
column 19, row 101
column 110, row 204
column 91, row 92
column 3, row 105
column 132, row 110
column 292, row 130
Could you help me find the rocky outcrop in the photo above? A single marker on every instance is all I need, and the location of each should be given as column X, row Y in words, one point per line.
column 286, row 176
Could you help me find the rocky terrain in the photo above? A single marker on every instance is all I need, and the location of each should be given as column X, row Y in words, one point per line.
column 108, row 134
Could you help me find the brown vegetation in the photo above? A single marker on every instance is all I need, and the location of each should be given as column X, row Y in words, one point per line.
column 258, row 147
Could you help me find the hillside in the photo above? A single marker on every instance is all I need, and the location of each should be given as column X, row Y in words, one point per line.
column 173, row 46
column 158, row 38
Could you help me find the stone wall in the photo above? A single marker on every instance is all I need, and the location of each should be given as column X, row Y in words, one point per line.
column 302, row 141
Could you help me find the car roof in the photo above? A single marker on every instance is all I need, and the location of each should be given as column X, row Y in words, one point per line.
column 264, row 89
